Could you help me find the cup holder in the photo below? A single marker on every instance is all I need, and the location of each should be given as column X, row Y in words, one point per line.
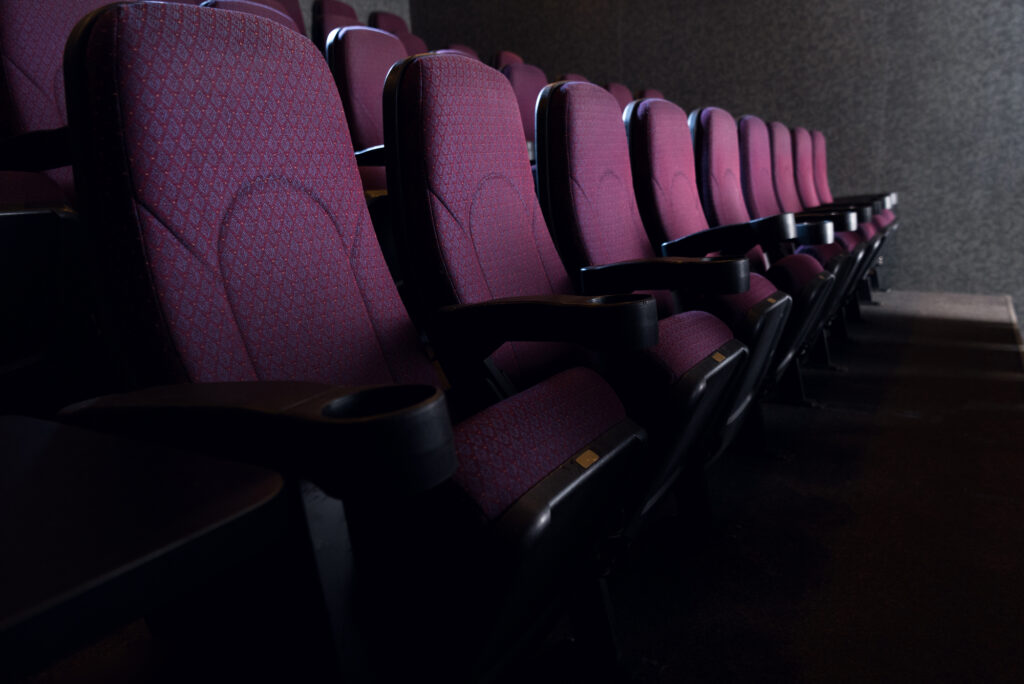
column 378, row 401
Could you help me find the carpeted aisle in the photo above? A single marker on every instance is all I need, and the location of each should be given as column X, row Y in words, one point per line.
column 879, row 538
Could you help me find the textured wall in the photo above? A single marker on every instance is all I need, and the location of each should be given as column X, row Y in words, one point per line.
column 924, row 96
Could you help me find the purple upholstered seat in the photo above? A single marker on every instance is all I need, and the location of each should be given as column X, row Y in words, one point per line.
column 268, row 9
column 32, row 37
column 572, row 76
column 329, row 15
column 506, row 57
column 527, row 82
column 239, row 248
column 474, row 222
column 392, row 23
column 586, row 186
column 360, row 58
column 621, row 94
column 648, row 93
column 464, row 49
column 293, row 8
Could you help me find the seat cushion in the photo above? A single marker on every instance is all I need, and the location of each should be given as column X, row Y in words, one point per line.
column 792, row 273
column 733, row 308
column 508, row 448
column 687, row 338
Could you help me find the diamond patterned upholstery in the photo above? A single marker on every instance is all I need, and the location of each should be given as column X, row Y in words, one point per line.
column 527, row 82
column 329, row 15
column 268, row 9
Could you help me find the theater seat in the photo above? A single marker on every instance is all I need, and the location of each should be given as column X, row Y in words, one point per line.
column 328, row 15
column 527, row 81
column 238, row 249
column 268, row 9
column 621, row 94
column 506, row 57
column 392, row 23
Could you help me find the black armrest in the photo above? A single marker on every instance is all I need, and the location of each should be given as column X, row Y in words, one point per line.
column 708, row 275
column 617, row 322
column 36, row 151
column 863, row 210
column 371, row 156
column 842, row 220
column 736, row 238
column 815, row 232
column 349, row 441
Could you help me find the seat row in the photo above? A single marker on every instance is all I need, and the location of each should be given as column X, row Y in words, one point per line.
column 564, row 347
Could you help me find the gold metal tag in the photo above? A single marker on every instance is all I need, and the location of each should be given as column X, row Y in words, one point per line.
column 587, row 458
column 770, row 300
column 719, row 357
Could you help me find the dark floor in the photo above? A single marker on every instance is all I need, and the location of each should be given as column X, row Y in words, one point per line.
column 880, row 538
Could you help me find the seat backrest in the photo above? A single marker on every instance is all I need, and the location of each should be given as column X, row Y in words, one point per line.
column 756, row 161
column 584, row 177
column 387, row 21
column 504, row 58
column 803, row 167
column 465, row 194
column 571, row 76
column 268, row 9
column 821, row 167
column 621, row 94
column 464, row 49
column 414, row 45
column 664, row 176
column 782, row 168
column 328, row 15
column 237, row 244
column 293, row 8
column 717, row 149
column 527, row 82
column 32, row 37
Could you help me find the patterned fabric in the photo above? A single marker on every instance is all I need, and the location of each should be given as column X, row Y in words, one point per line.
column 508, row 448
column 32, row 37
column 820, row 154
column 792, row 273
column 360, row 60
column 621, row 94
column 686, row 339
column 293, row 8
column 803, row 167
column 756, row 160
column 470, row 192
column 243, row 199
column 23, row 189
column 737, row 306
column 720, row 168
column 504, row 58
column 592, row 204
column 386, row 21
column 527, row 82
column 329, row 15
column 782, row 168
column 268, row 9
column 650, row 93
column 665, row 183
column 464, row 49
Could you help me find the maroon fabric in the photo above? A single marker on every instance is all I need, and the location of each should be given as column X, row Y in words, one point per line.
column 685, row 339
column 261, row 258
column 414, row 45
column 722, row 191
column 268, row 9
column 792, row 273
column 782, row 168
column 360, row 60
column 737, row 306
column 386, row 21
column 32, row 37
column 470, row 194
column 756, row 160
column 820, row 155
column 664, row 172
column 591, row 203
column 649, row 93
column 25, row 190
column 527, row 82
column 506, row 449
column 464, row 49
column 329, row 15
column 574, row 77
column 504, row 58
column 292, row 8
column 621, row 94
column 803, row 168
